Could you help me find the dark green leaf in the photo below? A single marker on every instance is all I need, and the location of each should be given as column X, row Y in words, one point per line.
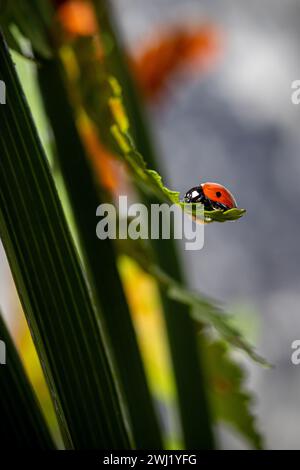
column 231, row 401
column 203, row 310
column 50, row 282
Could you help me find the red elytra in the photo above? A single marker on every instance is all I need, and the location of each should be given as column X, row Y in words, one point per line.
column 218, row 193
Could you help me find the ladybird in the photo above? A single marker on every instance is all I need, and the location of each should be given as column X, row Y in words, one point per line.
column 212, row 196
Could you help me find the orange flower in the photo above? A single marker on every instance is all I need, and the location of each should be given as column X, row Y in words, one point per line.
column 180, row 48
column 108, row 169
column 77, row 18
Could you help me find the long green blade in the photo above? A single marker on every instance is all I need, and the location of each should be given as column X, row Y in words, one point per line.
column 22, row 425
column 50, row 282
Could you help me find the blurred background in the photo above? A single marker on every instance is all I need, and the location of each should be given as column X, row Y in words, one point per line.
column 220, row 109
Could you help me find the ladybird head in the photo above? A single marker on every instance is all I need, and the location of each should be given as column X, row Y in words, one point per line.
column 194, row 195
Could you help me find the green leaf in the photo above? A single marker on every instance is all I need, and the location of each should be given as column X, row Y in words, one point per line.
column 22, row 425
column 206, row 311
column 51, row 285
column 223, row 216
column 115, row 130
column 203, row 310
column 196, row 211
column 148, row 179
column 231, row 401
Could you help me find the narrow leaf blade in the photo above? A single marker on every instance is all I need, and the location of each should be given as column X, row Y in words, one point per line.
column 50, row 283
